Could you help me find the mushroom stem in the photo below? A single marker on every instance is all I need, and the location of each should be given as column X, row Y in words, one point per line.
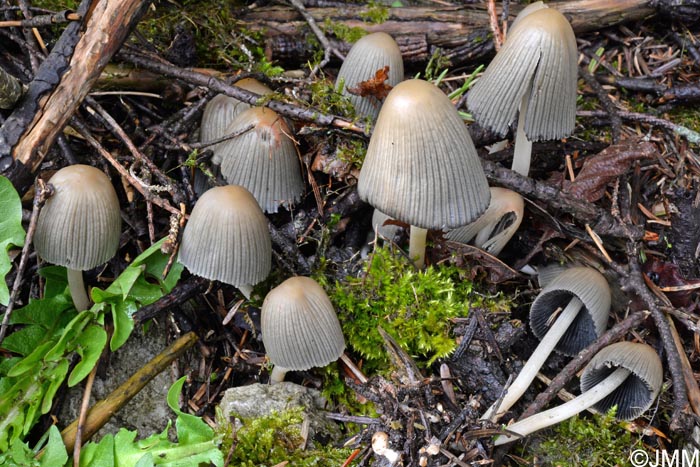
column 522, row 152
column 567, row 410
column 416, row 245
column 277, row 375
column 77, row 289
column 533, row 365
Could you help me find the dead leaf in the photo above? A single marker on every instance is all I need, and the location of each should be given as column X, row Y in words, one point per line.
column 667, row 276
column 376, row 86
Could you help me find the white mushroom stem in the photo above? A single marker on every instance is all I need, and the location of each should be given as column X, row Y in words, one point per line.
column 522, row 152
column 533, row 365
column 278, row 374
column 416, row 245
column 77, row 289
column 569, row 409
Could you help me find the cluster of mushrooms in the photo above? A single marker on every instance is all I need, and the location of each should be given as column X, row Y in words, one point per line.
column 421, row 168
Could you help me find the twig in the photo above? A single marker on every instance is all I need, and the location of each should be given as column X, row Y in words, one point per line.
column 11, row 90
column 182, row 292
column 83, row 415
column 605, row 101
column 691, row 135
column 41, row 193
column 493, row 24
column 42, row 20
column 328, row 49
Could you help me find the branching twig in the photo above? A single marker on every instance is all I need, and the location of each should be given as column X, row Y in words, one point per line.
column 328, row 49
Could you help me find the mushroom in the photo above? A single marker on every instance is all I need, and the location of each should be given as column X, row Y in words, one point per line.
column 222, row 109
column 494, row 228
column 79, row 226
column 569, row 314
column 381, row 227
column 626, row 375
column 421, row 166
column 300, row 328
column 263, row 160
column 371, row 53
column 535, row 73
column 227, row 239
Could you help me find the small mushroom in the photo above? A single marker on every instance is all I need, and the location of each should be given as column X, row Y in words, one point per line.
column 570, row 313
column 535, row 74
column 626, row 374
column 300, row 328
column 263, row 160
column 421, row 166
column 227, row 239
column 494, row 228
column 371, row 53
column 79, row 226
column 381, row 227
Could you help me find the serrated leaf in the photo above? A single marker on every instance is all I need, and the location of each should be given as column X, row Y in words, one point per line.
column 11, row 231
column 90, row 344
column 55, row 451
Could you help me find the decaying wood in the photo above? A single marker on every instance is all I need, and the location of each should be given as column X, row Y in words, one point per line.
column 462, row 33
column 62, row 82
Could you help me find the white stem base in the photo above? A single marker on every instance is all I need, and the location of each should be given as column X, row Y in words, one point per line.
column 559, row 414
column 416, row 245
column 77, row 290
column 522, row 153
column 537, row 359
column 278, row 374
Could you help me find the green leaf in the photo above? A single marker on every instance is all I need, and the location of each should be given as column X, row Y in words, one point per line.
column 31, row 361
column 123, row 324
column 11, row 231
column 25, row 340
column 90, row 344
column 55, row 378
column 190, row 428
column 98, row 454
column 55, row 451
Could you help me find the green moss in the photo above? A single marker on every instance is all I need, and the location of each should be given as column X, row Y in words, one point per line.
column 376, row 13
column 276, row 439
column 415, row 307
column 352, row 151
column 328, row 99
column 687, row 116
column 342, row 31
column 597, row 441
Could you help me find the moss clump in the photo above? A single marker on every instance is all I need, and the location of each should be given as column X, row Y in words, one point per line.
column 276, row 440
column 342, row 31
column 326, row 98
column 415, row 307
column 376, row 13
column 597, row 441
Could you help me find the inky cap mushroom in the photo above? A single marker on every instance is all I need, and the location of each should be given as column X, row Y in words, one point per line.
column 371, row 53
column 421, row 166
column 227, row 239
column 80, row 225
column 263, row 160
column 300, row 328
column 627, row 375
column 535, row 73
column 569, row 314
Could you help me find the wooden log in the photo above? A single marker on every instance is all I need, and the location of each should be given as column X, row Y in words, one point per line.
column 62, row 82
column 461, row 32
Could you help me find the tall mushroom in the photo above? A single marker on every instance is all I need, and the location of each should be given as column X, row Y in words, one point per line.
column 626, row 375
column 494, row 228
column 568, row 314
column 533, row 75
column 300, row 328
column 368, row 55
column 264, row 160
column 421, row 166
column 79, row 226
column 227, row 239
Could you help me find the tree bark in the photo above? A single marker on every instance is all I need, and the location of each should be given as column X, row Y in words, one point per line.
column 62, row 82
column 462, row 33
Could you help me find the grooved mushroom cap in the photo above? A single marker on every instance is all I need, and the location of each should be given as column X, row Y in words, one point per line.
column 421, row 166
column 80, row 224
column 639, row 390
column 368, row 55
column 538, row 59
column 222, row 109
column 300, row 328
column 227, row 238
column 263, row 160
column 592, row 289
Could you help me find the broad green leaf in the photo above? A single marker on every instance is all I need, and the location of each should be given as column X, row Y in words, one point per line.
column 190, row 428
column 56, row 281
column 25, row 340
column 55, row 451
column 90, row 344
column 123, row 324
column 50, row 313
column 11, row 231
column 55, row 378
column 98, row 454
column 31, row 362
column 66, row 342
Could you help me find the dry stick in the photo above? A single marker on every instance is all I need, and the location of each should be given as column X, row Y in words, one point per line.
column 217, row 85
column 42, row 20
column 327, row 47
column 691, row 135
column 605, row 101
column 691, row 383
column 83, row 415
column 41, row 194
column 182, row 292
column 100, row 413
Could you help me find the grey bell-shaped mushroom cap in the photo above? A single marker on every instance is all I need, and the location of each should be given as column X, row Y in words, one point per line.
column 421, row 166
column 80, row 225
column 263, row 160
column 545, row 274
column 222, row 109
column 538, row 59
column 299, row 325
column 531, row 8
column 495, row 227
column 227, row 238
column 592, row 289
column 639, row 390
column 368, row 55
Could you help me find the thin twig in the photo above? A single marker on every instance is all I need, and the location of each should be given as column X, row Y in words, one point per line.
column 606, row 102
column 84, row 405
column 328, row 49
